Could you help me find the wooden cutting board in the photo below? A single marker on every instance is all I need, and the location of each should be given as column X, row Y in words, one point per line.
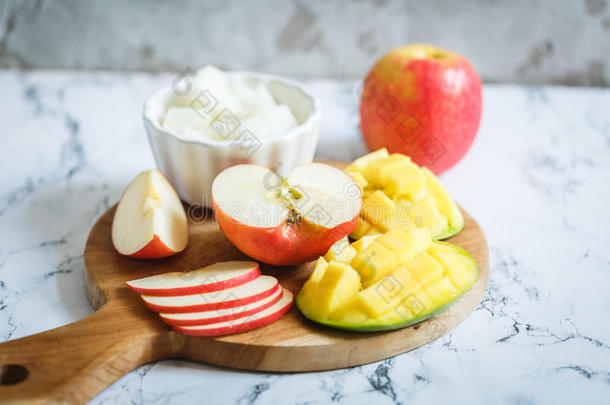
column 75, row 362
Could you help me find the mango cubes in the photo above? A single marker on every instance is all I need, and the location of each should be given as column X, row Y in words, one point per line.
column 334, row 286
column 398, row 194
column 386, row 281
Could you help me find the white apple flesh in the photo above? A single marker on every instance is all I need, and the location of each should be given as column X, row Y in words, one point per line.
column 265, row 317
column 285, row 221
column 247, row 293
column 218, row 276
column 150, row 221
column 221, row 315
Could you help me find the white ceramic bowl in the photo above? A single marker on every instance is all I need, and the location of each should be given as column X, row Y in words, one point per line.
column 192, row 165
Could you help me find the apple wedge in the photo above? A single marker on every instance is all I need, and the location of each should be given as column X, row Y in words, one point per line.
column 221, row 315
column 285, row 221
column 253, row 291
column 265, row 317
column 218, row 276
column 150, row 221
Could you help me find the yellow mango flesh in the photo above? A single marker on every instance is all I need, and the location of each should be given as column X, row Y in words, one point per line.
column 364, row 228
column 377, row 170
column 444, row 202
column 424, row 214
column 373, row 263
column 341, row 251
column 388, row 292
column 405, row 245
column 337, row 285
column 457, row 268
column 377, row 207
column 399, row 220
column 425, row 268
column 408, row 181
column 441, row 290
column 398, row 194
column 314, row 279
column 395, row 279
column 318, row 272
column 361, row 163
column 358, row 178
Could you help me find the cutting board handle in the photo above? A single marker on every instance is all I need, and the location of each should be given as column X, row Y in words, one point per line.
column 69, row 363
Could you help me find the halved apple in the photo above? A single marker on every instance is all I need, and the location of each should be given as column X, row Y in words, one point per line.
column 150, row 221
column 265, row 317
column 253, row 291
column 285, row 221
column 221, row 315
column 218, row 276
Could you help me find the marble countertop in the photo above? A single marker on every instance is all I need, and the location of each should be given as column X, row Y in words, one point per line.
column 537, row 180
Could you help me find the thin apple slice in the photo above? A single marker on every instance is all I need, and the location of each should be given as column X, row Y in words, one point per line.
column 265, row 317
column 150, row 221
column 252, row 291
column 285, row 221
column 221, row 315
column 218, row 276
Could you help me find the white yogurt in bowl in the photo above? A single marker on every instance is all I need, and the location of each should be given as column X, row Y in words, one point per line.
column 200, row 125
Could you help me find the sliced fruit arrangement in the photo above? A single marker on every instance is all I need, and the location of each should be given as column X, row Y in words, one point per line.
column 221, row 315
column 252, row 291
column 386, row 281
column 216, row 277
column 226, row 297
column 262, row 318
column 150, row 221
column 398, row 194
column 285, row 221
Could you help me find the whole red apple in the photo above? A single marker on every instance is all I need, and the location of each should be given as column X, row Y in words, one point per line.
column 424, row 102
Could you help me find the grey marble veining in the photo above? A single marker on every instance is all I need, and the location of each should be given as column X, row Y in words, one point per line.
column 536, row 179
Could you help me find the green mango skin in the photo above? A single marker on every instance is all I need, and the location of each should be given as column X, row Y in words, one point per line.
column 386, row 327
column 452, row 230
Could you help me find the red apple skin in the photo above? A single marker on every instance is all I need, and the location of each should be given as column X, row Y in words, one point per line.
column 228, row 317
column 155, row 249
column 219, row 286
column 213, row 305
column 428, row 109
column 283, row 245
column 237, row 328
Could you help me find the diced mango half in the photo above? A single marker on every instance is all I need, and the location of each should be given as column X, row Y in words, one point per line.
column 373, row 263
column 398, row 194
column 341, row 251
column 425, row 268
column 400, row 219
column 358, row 178
column 394, row 280
column 441, row 291
column 361, row 163
column 377, row 207
column 444, row 202
column 364, row 242
column 377, row 170
column 388, row 292
column 437, row 246
column 424, row 214
column 318, row 271
column 420, row 304
column 351, row 312
column 338, row 284
column 406, row 181
column 364, row 228
column 406, row 245
column 458, row 268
